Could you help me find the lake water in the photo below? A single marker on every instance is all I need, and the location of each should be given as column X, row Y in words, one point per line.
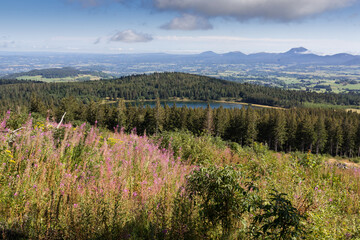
column 191, row 104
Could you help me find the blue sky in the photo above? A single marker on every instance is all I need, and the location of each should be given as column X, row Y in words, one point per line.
column 179, row 26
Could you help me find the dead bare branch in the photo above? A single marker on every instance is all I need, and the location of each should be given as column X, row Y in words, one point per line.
column 61, row 120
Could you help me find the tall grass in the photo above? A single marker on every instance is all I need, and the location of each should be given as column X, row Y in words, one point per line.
column 84, row 183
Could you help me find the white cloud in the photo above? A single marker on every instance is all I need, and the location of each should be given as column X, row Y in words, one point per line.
column 188, row 22
column 130, row 36
column 283, row 10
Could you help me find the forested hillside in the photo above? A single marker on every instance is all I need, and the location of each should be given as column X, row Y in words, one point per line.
column 165, row 86
column 336, row 132
column 321, row 131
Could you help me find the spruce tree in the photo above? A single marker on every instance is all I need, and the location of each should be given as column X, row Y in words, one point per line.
column 208, row 123
column 251, row 124
column 320, row 134
column 279, row 129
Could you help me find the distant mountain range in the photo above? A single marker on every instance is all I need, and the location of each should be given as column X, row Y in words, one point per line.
column 298, row 55
column 293, row 56
column 206, row 63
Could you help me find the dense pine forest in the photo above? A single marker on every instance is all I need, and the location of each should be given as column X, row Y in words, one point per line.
column 165, row 86
column 335, row 132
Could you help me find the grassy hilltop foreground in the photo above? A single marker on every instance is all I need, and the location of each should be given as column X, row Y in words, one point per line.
column 86, row 183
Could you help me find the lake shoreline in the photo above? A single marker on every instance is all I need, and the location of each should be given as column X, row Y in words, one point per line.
column 202, row 101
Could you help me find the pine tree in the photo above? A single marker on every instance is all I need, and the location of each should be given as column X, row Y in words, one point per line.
column 349, row 138
column 221, row 121
column 338, row 138
column 208, row 123
column 159, row 116
column 36, row 104
column 251, row 124
column 279, row 129
column 121, row 114
column 305, row 134
column 291, row 127
column 320, row 134
column 236, row 128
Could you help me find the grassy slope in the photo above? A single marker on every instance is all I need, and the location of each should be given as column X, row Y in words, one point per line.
column 66, row 74
column 84, row 183
column 79, row 77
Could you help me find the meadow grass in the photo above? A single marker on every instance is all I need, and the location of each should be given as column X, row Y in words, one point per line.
column 83, row 183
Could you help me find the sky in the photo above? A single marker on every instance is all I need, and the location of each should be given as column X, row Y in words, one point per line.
column 179, row 26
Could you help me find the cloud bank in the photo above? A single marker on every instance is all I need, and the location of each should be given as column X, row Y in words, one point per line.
column 188, row 22
column 130, row 36
column 195, row 14
column 283, row 10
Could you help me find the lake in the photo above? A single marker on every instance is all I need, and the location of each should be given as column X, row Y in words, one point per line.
column 191, row 104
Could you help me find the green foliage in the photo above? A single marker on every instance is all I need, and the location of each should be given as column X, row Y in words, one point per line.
column 92, row 183
column 219, row 195
column 16, row 120
column 278, row 219
column 298, row 129
column 58, row 135
column 185, row 222
column 165, row 86
column 199, row 150
column 307, row 160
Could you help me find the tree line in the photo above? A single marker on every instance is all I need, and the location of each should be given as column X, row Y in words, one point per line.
column 165, row 86
column 336, row 132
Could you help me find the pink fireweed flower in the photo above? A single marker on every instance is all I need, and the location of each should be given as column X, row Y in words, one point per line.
column 76, row 205
column 15, row 194
column 135, row 194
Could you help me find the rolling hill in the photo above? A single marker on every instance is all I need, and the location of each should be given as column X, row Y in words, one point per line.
column 168, row 86
column 65, row 74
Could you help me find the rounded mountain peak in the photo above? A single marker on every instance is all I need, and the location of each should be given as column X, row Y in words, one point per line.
column 297, row 50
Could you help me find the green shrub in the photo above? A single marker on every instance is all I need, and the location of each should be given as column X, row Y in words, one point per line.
column 219, row 196
column 199, row 150
column 307, row 160
column 278, row 220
